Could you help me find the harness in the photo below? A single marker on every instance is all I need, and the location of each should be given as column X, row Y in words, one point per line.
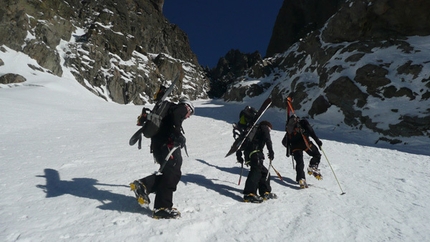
column 298, row 129
column 253, row 152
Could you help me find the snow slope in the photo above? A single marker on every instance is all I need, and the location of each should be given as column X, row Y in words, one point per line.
column 66, row 165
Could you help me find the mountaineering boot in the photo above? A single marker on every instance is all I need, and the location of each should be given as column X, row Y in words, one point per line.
column 313, row 170
column 140, row 191
column 252, row 198
column 269, row 195
column 166, row 213
column 303, row 184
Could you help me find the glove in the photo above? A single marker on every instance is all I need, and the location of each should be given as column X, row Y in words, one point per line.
column 141, row 119
column 319, row 143
column 240, row 159
column 179, row 141
column 271, row 155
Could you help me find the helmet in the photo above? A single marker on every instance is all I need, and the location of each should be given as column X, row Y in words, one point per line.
column 247, row 115
column 249, row 112
column 187, row 102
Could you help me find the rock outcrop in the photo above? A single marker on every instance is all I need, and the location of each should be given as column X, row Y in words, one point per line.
column 231, row 69
column 298, row 18
column 368, row 62
column 120, row 51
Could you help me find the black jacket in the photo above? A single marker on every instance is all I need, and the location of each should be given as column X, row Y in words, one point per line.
column 260, row 139
column 299, row 138
column 170, row 127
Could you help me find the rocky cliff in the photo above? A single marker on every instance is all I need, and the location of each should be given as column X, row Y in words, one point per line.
column 366, row 61
column 298, row 18
column 121, row 51
column 369, row 62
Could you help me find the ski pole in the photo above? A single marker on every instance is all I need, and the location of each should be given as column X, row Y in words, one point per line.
column 159, row 172
column 240, row 177
column 332, row 171
column 277, row 173
column 268, row 173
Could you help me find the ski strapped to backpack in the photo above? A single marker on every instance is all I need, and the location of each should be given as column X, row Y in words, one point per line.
column 290, row 108
column 237, row 144
column 151, row 121
column 154, row 118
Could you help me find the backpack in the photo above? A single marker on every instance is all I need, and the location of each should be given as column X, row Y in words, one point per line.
column 155, row 118
column 292, row 125
column 258, row 127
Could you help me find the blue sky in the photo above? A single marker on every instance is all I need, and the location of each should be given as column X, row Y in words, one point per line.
column 215, row 27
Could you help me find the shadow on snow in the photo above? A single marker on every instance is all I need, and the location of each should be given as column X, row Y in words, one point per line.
column 86, row 188
column 237, row 170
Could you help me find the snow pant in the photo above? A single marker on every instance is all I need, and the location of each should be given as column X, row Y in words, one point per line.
column 257, row 176
column 165, row 184
column 300, row 165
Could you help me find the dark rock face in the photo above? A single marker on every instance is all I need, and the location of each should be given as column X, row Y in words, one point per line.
column 378, row 20
column 298, row 18
column 373, row 77
column 158, row 4
column 329, row 53
column 364, row 60
column 231, row 68
column 106, row 44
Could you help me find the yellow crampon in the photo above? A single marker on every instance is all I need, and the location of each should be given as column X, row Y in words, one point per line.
column 316, row 175
column 132, row 187
column 303, row 184
column 139, row 198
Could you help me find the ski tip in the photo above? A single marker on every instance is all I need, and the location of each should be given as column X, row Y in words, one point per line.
column 132, row 142
column 228, row 154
